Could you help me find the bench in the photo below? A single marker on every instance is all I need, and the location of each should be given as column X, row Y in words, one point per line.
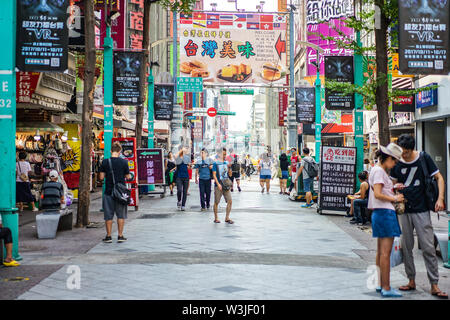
column 51, row 221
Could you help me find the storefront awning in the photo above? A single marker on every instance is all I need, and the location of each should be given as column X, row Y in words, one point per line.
column 42, row 126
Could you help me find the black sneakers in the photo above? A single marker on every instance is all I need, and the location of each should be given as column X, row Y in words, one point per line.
column 107, row 239
column 121, row 239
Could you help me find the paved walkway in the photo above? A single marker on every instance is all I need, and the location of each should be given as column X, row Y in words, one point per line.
column 275, row 250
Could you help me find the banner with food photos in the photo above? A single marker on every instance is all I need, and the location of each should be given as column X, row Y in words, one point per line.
column 233, row 48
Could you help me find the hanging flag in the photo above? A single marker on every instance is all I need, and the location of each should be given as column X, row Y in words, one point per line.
column 199, row 16
column 240, row 17
column 213, row 24
column 252, row 18
column 211, row 16
column 252, row 25
column 266, row 26
column 199, row 23
column 266, row 18
column 240, row 25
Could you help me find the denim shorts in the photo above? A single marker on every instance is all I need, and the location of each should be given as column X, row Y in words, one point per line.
column 308, row 185
column 285, row 175
column 264, row 177
column 385, row 224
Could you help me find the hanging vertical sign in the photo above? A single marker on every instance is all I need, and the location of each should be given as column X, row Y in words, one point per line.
column 127, row 77
column 42, row 35
column 282, row 107
column 339, row 69
column 305, row 105
column 423, row 36
column 163, row 101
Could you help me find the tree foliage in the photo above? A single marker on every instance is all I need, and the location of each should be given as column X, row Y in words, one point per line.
column 178, row 5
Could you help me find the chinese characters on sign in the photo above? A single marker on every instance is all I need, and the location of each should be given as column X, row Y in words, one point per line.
column 305, row 105
column 42, row 36
column 339, row 69
column 337, row 177
column 163, row 101
column 424, row 36
column 129, row 154
column 150, row 166
column 282, row 107
column 135, row 24
column 127, row 77
column 26, row 83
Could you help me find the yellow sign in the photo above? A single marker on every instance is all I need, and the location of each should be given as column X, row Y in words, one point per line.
column 396, row 68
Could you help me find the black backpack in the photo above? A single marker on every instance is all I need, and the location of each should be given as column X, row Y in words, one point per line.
column 312, row 168
column 235, row 167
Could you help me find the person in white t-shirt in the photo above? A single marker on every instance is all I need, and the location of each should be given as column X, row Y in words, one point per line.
column 23, row 188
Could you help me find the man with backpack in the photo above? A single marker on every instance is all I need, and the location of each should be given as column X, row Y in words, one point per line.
column 414, row 174
column 310, row 170
column 235, row 172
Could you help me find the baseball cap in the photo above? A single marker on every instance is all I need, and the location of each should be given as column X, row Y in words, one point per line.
column 53, row 174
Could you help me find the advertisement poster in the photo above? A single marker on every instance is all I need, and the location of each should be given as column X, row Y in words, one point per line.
column 423, row 36
column 127, row 77
column 337, row 177
column 163, row 101
column 233, row 48
column 151, row 166
column 76, row 23
column 42, row 35
column 98, row 93
column 339, row 69
column 129, row 154
column 305, row 104
column 282, row 107
column 118, row 26
column 427, row 98
column 26, row 83
column 325, row 17
column 71, row 162
column 404, row 104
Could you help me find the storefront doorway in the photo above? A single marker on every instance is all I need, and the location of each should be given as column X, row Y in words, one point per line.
column 434, row 133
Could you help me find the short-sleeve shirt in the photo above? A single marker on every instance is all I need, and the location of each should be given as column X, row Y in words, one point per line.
column 121, row 169
column 284, row 164
column 379, row 176
column 308, row 159
column 294, row 161
column 266, row 167
column 221, row 170
column 412, row 176
column 182, row 166
column 203, row 168
column 22, row 167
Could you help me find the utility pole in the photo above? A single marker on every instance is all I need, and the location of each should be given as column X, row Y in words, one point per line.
column 318, row 124
column 108, row 86
column 8, row 210
column 292, row 124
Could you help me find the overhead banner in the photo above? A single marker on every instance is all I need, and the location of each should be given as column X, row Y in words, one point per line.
column 163, row 101
column 325, row 18
column 127, row 77
column 337, row 177
column 305, row 104
column 76, row 23
column 233, row 48
column 339, row 69
column 42, row 36
column 423, row 36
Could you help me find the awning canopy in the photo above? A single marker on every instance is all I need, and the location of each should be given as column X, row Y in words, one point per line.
column 42, row 126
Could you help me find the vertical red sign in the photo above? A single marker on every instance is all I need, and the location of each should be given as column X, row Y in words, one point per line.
column 282, row 107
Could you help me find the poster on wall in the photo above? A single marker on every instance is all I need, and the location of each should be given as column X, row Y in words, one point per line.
column 338, row 174
column 163, row 101
column 305, row 102
column 42, row 35
column 233, row 48
column 424, row 36
column 71, row 162
column 127, row 77
column 324, row 18
column 151, row 166
column 339, row 69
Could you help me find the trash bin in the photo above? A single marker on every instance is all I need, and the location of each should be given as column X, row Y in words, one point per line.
column 47, row 224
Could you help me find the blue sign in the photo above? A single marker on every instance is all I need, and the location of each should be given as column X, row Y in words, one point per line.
column 427, row 98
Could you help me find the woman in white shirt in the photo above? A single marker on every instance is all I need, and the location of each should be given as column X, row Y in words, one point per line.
column 23, row 189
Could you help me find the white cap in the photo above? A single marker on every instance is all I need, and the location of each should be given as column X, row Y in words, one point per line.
column 53, row 174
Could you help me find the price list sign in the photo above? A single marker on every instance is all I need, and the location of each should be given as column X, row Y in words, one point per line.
column 150, row 166
column 337, row 177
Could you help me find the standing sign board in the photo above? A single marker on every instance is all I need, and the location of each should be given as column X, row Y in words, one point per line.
column 305, row 99
column 151, row 166
column 163, row 101
column 337, row 177
column 424, row 36
column 339, row 69
column 127, row 77
column 42, row 36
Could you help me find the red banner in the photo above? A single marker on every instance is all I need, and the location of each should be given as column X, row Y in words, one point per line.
column 26, row 83
column 282, row 107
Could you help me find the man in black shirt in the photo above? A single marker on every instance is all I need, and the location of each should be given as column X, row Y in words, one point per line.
column 411, row 177
column 111, row 206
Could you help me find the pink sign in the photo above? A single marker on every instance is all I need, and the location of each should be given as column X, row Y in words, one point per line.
column 117, row 28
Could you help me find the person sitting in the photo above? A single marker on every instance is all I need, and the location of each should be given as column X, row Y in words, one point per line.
column 52, row 192
column 6, row 236
column 360, row 199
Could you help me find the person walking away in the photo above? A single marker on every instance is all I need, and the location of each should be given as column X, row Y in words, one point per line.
column 170, row 171
column 410, row 177
column 235, row 172
column 310, row 170
column 6, row 236
column 384, row 219
column 119, row 167
column 183, row 162
column 23, row 186
column 295, row 159
column 242, row 162
column 284, row 166
column 360, row 199
column 265, row 171
column 52, row 195
column 248, row 167
column 203, row 169
column 221, row 171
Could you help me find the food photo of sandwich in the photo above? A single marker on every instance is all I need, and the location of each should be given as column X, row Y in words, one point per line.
column 271, row 71
column 235, row 73
column 195, row 68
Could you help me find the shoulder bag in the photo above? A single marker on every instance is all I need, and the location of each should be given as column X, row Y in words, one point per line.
column 431, row 185
column 22, row 176
column 120, row 191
